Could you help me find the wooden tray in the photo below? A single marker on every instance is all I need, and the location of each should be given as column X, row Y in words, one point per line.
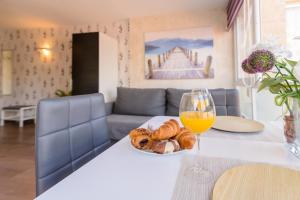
column 237, row 124
column 258, row 182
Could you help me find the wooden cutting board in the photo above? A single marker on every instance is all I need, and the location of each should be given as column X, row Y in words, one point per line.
column 258, row 182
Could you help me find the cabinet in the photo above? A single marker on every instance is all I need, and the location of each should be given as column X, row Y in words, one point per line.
column 95, row 65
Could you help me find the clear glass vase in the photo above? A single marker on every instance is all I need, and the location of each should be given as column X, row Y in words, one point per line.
column 292, row 126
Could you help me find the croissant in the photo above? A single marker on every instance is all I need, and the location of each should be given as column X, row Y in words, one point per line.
column 186, row 139
column 142, row 142
column 168, row 130
column 139, row 131
column 175, row 125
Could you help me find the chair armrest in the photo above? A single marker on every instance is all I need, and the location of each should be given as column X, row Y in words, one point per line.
column 109, row 106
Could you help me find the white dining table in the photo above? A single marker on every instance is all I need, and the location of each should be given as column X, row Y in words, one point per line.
column 121, row 172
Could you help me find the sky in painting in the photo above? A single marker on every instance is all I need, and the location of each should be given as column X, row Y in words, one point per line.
column 193, row 33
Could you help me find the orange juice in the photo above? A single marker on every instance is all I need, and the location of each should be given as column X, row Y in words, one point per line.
column 198, row 122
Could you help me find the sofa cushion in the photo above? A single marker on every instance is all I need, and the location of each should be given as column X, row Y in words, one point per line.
column 219, row 97
column 121, row 125
column 173, row 100
column 145, row 102
column 233, row 102
column 226, row 101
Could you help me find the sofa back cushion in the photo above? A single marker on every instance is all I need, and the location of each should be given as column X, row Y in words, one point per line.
column 226, row 101
column 145, row 102
column 173, row 100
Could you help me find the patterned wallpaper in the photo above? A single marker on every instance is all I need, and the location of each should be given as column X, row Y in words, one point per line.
column 35, row 77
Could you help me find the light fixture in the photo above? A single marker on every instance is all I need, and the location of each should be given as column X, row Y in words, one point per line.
column 44, row 53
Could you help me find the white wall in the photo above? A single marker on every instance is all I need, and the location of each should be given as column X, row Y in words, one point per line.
column 222, row 56
column 35, row 78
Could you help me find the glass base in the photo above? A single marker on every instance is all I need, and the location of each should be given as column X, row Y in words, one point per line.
column 294, row 148
column 198, row 142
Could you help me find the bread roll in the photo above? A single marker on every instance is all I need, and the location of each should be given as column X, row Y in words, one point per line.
column 166, row 146
column 186, row 139
column 166, row 131
column 142, row 142
column 139, row 131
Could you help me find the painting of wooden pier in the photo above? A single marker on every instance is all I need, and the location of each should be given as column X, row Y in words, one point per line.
column 180, row 54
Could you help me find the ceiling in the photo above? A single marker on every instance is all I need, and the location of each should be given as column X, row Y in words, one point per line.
column 51, row 13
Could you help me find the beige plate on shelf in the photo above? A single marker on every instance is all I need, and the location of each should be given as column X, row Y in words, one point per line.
column 258, row 182
column 237, row 124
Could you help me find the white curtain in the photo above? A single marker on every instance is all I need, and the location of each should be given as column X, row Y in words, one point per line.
column 245, row 37
column 247, row 34
column 293, row 30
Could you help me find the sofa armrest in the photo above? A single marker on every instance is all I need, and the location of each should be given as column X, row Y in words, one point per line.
column 109, row 106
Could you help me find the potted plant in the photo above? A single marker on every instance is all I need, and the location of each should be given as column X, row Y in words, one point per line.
column 281, row 77
column 61, row 93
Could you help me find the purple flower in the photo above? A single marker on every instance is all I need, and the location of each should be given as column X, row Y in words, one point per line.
column 261, row 60
column 247, row 67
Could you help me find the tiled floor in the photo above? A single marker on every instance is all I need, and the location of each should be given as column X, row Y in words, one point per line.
column 17, row 174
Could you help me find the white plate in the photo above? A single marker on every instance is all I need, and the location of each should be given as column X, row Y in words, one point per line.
column 237, row 124
column 153, row 153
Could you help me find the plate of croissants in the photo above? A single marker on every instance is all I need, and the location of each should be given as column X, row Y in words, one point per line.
column 167, row 139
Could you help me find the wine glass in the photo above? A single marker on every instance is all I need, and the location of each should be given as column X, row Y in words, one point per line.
column 197, row 112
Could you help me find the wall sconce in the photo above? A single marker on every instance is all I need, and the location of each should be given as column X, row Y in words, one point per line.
column 44, row 53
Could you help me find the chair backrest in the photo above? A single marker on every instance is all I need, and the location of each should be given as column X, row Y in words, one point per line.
column 70, row 132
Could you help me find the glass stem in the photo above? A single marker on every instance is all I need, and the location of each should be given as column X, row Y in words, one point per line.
column 198, row 142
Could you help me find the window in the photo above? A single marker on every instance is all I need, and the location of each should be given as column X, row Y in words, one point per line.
column 7, row 64
column 293, row 29
column 246, row 34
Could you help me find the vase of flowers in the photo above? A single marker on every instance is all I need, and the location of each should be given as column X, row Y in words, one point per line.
column 279, row 75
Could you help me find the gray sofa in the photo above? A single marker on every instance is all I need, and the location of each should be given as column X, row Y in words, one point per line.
column 135, row 106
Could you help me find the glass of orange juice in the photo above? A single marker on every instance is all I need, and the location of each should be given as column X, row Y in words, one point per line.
column 197, row 112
